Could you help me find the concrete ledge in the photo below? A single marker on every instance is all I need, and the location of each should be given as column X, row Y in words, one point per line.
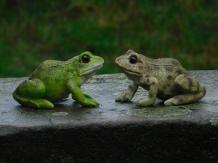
column 114, row 132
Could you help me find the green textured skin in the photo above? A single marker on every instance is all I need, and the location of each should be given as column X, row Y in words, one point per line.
column 54, row 80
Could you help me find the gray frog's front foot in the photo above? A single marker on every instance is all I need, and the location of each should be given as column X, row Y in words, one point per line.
column 145, row 102
column 124, row 97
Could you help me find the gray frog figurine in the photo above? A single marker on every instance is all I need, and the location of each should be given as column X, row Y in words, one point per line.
column 164, row 78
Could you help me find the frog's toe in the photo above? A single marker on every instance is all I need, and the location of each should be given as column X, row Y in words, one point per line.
column 145, row 102
column 90, row 103
column 33, row 102
column 43, row 104
column 118, row 99
column 169, row 102
column 94, row 104
column 122, row 98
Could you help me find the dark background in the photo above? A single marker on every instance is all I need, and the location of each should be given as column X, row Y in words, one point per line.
column 33, row 31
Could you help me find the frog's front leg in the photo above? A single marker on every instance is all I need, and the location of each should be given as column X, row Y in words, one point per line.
column 152, row 82
column 31, row 93
column 127, row 95
column 79, row 96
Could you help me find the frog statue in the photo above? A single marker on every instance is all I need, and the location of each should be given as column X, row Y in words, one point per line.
column 164, row 78
column 54, row 80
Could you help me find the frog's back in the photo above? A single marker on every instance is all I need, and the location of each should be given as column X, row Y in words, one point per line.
column 54, row 75
column 166, row 62
column 170, row 65
column 166, row 70
column 48, row 68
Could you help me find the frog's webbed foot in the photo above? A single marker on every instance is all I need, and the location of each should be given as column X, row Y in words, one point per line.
column 34, row 103
column 184, row 99
column 80, row 97
column 124, row 97
column 90, row 102
column 193, row 91
column 145, row 102
column 86, row 101
column 30, row 93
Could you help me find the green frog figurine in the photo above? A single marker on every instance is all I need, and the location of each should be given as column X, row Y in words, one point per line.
column 54, row 80
column 164, row 78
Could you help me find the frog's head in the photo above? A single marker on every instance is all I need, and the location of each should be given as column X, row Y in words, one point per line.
column 131, row 62
column 88, row 64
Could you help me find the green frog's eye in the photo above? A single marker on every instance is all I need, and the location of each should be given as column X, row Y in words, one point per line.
column 85, row 58
column 133, row 59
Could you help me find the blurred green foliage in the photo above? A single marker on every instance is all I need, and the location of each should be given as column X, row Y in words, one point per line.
column 32, row 31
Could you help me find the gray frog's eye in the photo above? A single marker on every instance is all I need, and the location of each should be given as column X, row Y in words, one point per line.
column 85, row 58
column 133, row 59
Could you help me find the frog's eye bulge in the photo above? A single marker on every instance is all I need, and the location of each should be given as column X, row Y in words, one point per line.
column 85, row 58
column 133, row 59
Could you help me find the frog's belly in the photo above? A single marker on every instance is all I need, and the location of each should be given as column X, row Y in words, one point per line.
column 170, row 92
column 56, row 95
column 163, row 95
column 56, row 92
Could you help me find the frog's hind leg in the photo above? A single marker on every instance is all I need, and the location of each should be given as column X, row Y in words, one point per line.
column 30, row 93
column 192, row 91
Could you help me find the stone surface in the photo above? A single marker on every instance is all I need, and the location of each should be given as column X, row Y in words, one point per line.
column 113, row 132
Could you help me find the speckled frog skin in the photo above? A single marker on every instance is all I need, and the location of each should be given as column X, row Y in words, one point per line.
column 164, row 78
column 54, row 80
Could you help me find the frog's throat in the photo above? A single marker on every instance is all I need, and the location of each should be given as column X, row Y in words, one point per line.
column 90, row 71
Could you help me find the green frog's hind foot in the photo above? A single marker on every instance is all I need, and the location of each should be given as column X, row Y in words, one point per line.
column 34, row 103
column 30, row 93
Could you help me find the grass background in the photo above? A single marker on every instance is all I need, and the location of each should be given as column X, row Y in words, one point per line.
column 33, row 31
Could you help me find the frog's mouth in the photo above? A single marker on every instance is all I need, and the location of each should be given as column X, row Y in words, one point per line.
column 127, row 71
column 132, row 72
column 91, row 71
